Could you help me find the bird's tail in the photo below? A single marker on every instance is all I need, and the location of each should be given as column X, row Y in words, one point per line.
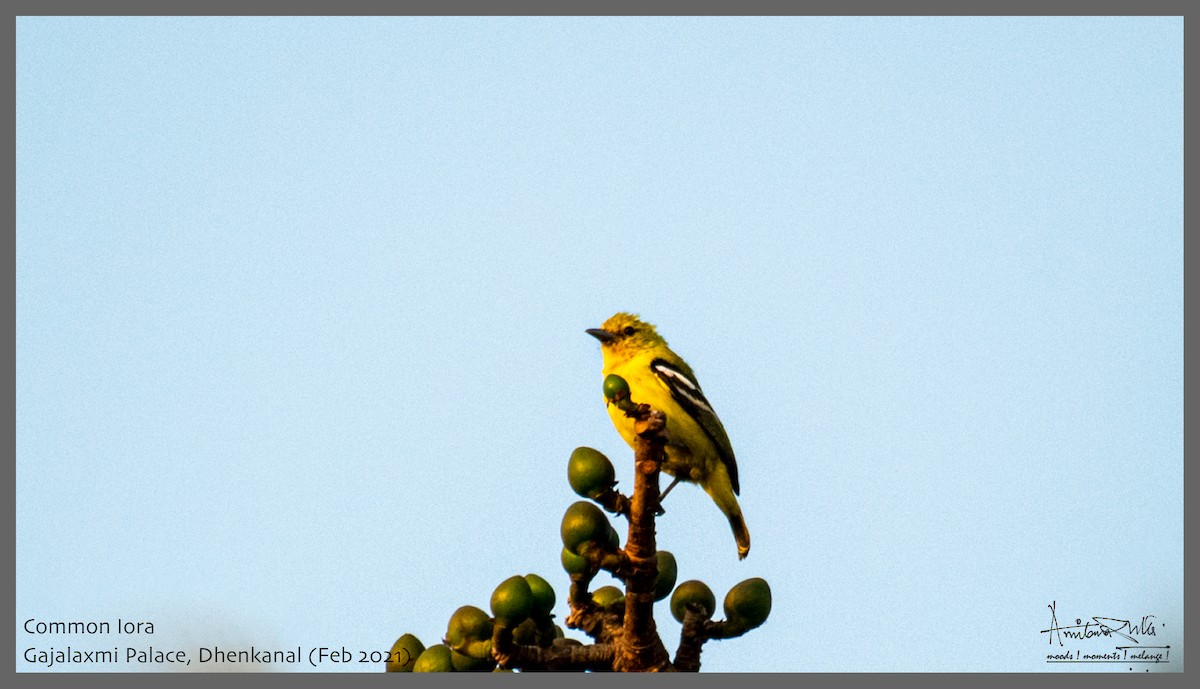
column 740, row 534
column 720, row 490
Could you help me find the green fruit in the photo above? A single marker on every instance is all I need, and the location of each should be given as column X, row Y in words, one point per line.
column 479, row 649
column 607, row 595
column 525, row 633
column 512, row 601
column 462, row 662
column 615, row 388
column 692, row 591
column 590, row 473
column 583, row 522
column 543, row 595
column 614, row 540
column 749, row 603
column 468, row 624
column 404, row 653
column 434, row 659
column 572, row 563
column 668, row 572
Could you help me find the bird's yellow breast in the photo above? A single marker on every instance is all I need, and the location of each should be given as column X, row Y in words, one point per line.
column 686, row 458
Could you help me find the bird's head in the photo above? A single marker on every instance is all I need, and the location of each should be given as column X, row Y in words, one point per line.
column 625, row 335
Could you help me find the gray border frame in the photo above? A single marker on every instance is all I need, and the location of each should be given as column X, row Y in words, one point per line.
column 622, row 7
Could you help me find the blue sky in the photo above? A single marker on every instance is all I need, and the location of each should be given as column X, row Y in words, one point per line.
column 300, row 308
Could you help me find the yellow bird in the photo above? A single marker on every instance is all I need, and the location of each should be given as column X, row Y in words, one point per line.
column 698, row 449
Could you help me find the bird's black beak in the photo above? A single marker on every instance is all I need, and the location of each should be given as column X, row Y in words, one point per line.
column 602, row 335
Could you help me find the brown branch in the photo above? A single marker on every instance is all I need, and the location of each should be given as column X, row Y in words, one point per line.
column 698, row 628
column 615, row 562
column 599, row 557
column 723, row 630
column 599, row 623
column 691, row 639
column 613, row 501
column 555, row 658
column 640, row 648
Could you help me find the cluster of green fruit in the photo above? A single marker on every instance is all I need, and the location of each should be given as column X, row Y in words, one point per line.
column 586, row 528
column 520, row 603
column 591, row 474
column 747, row 604
column 524, row 603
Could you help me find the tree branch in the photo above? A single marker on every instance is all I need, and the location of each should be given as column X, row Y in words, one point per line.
column 555, row 658
column 691, row 640
column 641, row 649
column 598, row 623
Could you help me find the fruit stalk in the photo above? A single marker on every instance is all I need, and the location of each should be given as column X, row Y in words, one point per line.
column 691, row 640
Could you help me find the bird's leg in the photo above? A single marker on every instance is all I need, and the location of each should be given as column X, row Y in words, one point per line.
column 663, row 495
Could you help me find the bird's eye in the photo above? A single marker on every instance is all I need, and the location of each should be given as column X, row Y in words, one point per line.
column 629, row 330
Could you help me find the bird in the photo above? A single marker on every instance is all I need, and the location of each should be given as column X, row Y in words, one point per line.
column 698, row 449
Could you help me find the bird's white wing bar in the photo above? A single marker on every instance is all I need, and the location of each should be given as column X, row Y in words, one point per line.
column 680, row 384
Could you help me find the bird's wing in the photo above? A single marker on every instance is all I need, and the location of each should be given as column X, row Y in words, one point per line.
column 686, row 391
